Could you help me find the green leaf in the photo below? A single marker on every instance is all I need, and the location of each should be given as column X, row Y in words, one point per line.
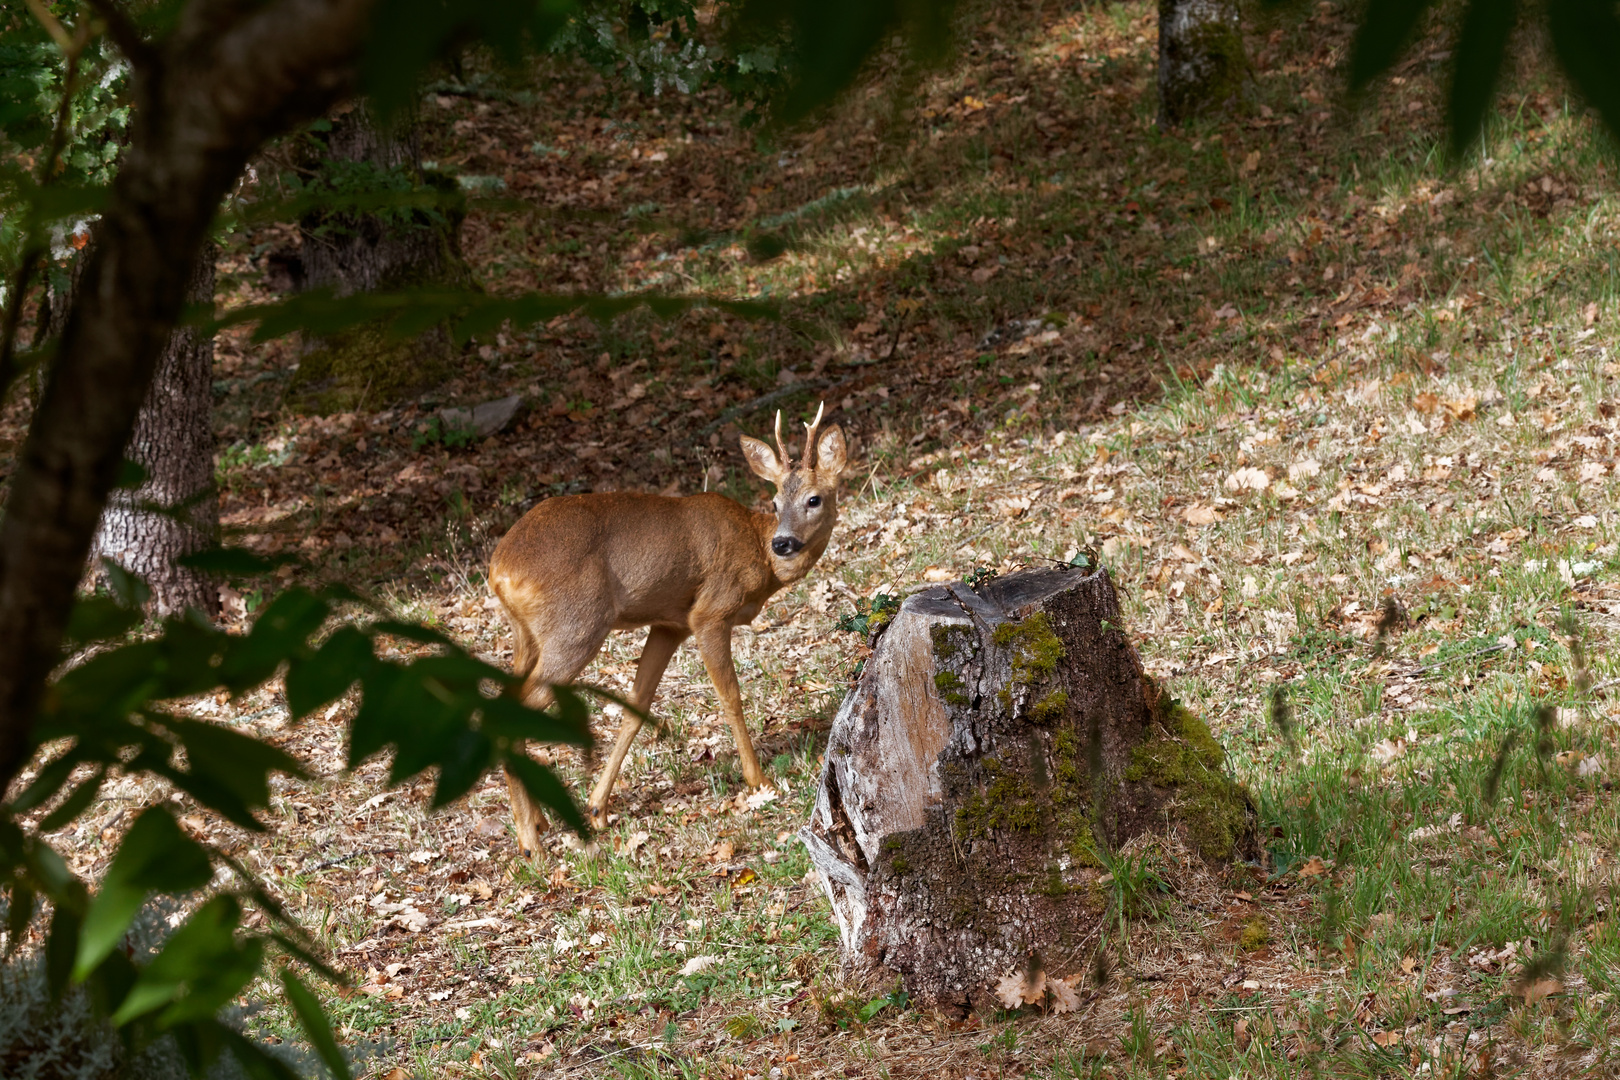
column 371, row 729
column 155, row 856
column 1481, row 46
column 59, row 944
column 407, row 35
column 1384, row 31
column 204, row 959
column 74, row 804
column 130, row 590
column 131, row 475
column 507, row 718
column 280, row 633
column 236, row 563
column 230, row 772
column 1586, row 35
column 48, row 782
column 546, row 790
column 19, row 912
column 462, row 760
column 424, row 635
column 832, row 39
column 257, row 1062
column 403, row 314
column 340, row 662
column 315, row 1024
column 100, row 618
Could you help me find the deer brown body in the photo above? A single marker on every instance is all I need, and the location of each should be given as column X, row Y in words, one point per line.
column 577, row 567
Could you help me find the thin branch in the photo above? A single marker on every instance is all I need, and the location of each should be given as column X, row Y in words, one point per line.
column 125, row 34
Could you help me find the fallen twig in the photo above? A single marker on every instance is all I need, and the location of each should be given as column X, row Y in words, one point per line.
column 328, row 864
column 1437, row 665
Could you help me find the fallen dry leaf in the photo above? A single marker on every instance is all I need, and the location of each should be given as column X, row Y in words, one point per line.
column 1021, row 987
column 1064, row 996
column 1314, row 867
column 1533, row 992
column 1388, row 750
column 1200, row 515
column 1248, row 479
column 697, row 964
column 1461, row 408
column 1386, row 1038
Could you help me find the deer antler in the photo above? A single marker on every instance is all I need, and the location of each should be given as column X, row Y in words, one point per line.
column 781, row 447
column 810, row 438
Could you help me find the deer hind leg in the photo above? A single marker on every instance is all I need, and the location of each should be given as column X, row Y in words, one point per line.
column 557, row 659
column 714, row 642
column 662, row 641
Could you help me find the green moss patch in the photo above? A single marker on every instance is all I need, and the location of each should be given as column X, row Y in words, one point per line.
column 950, row 687
column 1184, row 755
column 1036, row 650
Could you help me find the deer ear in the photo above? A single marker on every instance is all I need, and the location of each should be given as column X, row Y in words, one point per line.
column 830, row 452
column 762, row 459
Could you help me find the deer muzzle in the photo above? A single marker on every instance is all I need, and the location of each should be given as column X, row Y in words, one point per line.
column 786, row 545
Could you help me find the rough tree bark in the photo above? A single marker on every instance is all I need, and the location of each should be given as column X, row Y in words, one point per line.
column 999, row 744
column 176, row 511
column 1202, row 66
column 349, row 252
column 225, row 79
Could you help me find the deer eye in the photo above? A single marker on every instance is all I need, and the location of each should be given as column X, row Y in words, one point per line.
column 813, row 501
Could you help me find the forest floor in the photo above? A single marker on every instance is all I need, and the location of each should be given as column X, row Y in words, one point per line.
column 1337, row 419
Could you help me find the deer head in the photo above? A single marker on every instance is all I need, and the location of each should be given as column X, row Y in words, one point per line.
column 806, row 494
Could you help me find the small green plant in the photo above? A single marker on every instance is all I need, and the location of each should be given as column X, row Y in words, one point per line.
column 871, row 615
column 1135, row 885
column 981, row 576
column 897, row 998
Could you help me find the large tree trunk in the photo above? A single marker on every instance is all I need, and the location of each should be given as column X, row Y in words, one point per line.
column 176, row 511
column 999, row 745
column 1202, row 66
column 347, row 252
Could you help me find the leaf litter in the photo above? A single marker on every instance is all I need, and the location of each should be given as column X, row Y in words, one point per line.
column 1263, row 430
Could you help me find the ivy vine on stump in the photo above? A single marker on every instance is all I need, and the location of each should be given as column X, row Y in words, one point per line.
column 1000, row 744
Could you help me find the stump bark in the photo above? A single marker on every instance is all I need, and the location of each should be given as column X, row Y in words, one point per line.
column 1000, row 744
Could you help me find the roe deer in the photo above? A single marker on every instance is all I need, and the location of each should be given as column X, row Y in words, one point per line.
column 578, row 566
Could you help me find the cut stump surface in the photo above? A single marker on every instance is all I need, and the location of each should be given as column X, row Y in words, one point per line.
column 999, row 744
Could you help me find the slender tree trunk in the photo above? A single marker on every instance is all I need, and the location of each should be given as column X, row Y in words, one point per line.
column 1202, row 66
column 348, row 252
column 176, row 511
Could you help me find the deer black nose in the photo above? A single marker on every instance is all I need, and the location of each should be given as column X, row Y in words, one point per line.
column 786, row 545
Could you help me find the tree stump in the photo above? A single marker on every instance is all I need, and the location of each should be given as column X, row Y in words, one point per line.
column 1000, row 744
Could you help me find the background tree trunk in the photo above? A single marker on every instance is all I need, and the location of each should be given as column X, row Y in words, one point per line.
column 1202, row 66
column 350, row 252
column 999, row 745
column 176, row 511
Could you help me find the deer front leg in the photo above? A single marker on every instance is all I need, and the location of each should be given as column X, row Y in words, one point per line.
column 526, row 818
column 661, row 645
column 714, row 642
